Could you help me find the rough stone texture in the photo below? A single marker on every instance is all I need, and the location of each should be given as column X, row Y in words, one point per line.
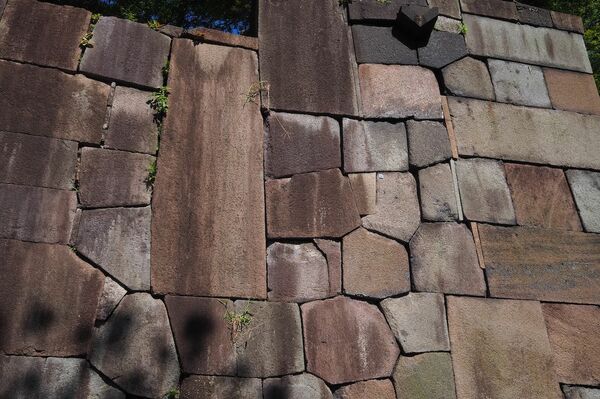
column 202, row 335
column 446, row 24
column 525, row 134
column 201, row 387
column 379, row 45
column 30, row 377
column 377, row 11
column 36, row 214
column 541, row 197
column 469, row 77
column 428, row 142
column 374, row 146
column 217, row 248
column 301, row 143
column 484, row 193
column 113, row 178
column 206, row 35
column 418, row 321
column 575, row 342
column 568, row 22
column 450, row 8
column 398, row 214
column 50, row 299
column 399, row 91
column 347, row 340
column 585, row 186
column 297, row 273
column 333, row 253
column 132, row 126
column 500, row 349
column 112, row 294
column 47, row 102
column 572, row 91
column 42, row 33
column 37, row 161
column 271, row 344
column 305, row 56
column 374, row 266
column 426, row 376
column 303, row 386
column 519, row 83
column 118, row 240
column 380, row 389
column 126, row 51
column 364, row 188
column 541, row 46
column 534, row 15
column 135, row 347
column 443, row 259
column 442, row 49
column 316, row 204
column 438, row 197
column 547, row 265
column 581, row 393
column 492, row 8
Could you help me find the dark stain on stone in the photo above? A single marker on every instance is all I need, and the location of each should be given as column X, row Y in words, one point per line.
column 197, row 328
column 279, row 391
column 39, row 319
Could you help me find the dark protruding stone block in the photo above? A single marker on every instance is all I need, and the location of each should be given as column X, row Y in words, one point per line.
column 378, row 45
column 442, row 49
column 534, row 15
column 416, row 22
column 374, row 10
column 491, row 8
column 126, row 51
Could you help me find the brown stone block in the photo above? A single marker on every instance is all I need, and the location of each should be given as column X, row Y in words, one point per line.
column 572, row 91
column 491, row 8
column 364, row 188
column 570, row 22
column 549, row 265
column 333, row 253
column 50, row 299
column 201, row 387
column 218, row 37
column 296, row 386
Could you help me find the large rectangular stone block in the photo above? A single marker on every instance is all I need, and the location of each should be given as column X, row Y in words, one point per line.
column 547, row 265
column 540, row 46
column 516, row 133
column 492, row 8
column 208, row 225
column 374, row 10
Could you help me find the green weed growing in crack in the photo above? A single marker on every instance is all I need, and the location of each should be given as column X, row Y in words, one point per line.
column 151, row 178
column 172, row 394
column 384, row 2
column 165, row 70
column 159, row 102
column 86, row 40
column 462, row 28
column 237, row 321
column 75, row 186
column 344, row 3
column 256, row 90
column 154, row 24
column 73, row 248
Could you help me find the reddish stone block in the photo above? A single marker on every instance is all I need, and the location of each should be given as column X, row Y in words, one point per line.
column 219, row 37
column 333, row 253
column 569, row 22
column 572, row 91
column 491, row 8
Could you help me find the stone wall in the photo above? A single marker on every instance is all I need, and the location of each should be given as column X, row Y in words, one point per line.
column 332, row 210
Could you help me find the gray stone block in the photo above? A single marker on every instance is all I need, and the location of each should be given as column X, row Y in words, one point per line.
column 111, row 296
column 428, row 143
column 442, row 49
column 469, row 78
column 438, row 197
column 492, row 8
column 196, row 386
column 449, row 8
column 429, row 375
column 519, row 84
column 446, row 24
column 572, row 392
column 585, row 186
column 302, row 386
column 373, row 10
column 534, row 15
column 378, row 45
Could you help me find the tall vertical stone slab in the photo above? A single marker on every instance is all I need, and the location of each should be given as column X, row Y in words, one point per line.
column 305, row 56
column 208, row 229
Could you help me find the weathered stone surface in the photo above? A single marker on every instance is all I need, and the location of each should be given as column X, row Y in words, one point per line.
column 541, row 46
column 426, row 376
column 521, row 134
column 500, row 349
column 438, row 197
column 126, row 51
column 484, row 193
column 112, row 294
column 450, row 8
column 73, row 107
column 376, row 11
column 442, row 49
column 568, row 22
column 428, row 142
column 271, row 344
column 303, row 386
column 469, row 77
column 316, row 204
column 364, row 188
column 443, row 259
column 206, row 35
column 347, row 340
column 135, row 347
column 37, row 161
column 202, row 335
column 381, row 389
column 305, row 56
column 132, row 126
column 541, row 197
column 301, row 143
column 297, row 273
column 534, row 15
column 379, row 45
column 374, row 266
column 446, row 24
column 575, row 342
column 572, row 91
column 398, row 214
column 399, row 91
column 42, row 33
column 492, row 8
column 374, row 146
column 32, row 377
column 418, row 321
column 585, row 186
column 581, row 393
column 519, row 83
column 201, row 387
column 36, row 214
column 50, row 300
column 217, row 248
column 333, row 253
column 118, row 240
column 548, row 265
column 113, row 178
